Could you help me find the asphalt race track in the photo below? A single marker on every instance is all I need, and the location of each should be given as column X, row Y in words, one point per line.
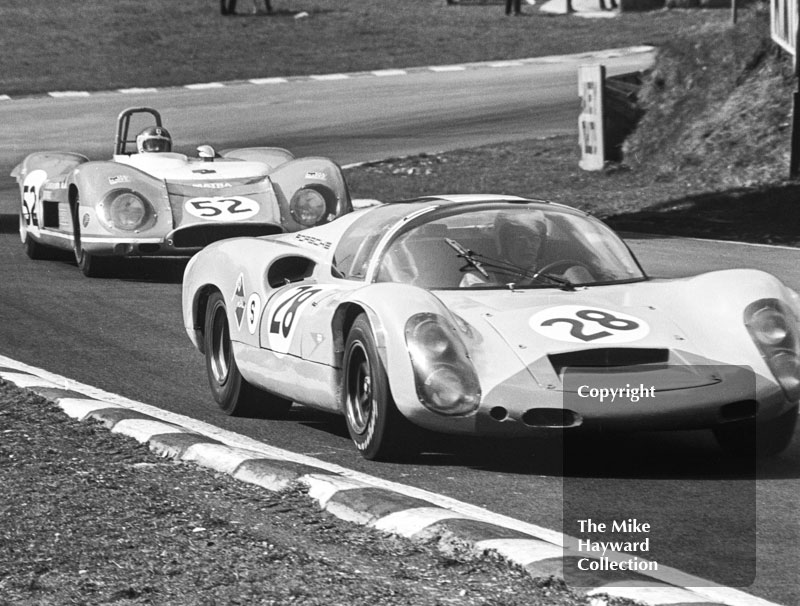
column 125, row 335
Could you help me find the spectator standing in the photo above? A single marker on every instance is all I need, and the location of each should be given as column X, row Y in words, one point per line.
column 515, row 5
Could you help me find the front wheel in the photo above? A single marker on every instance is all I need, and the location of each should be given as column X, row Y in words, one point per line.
column 234, row 395
column 90, row 265
column 375, row 425
column 766, row 439
column 93, row 266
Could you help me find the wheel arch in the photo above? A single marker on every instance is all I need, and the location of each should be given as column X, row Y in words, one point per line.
column 388, row 321
column 72, row 198
column 343, row 319
column 73, row 195
column 199, row 308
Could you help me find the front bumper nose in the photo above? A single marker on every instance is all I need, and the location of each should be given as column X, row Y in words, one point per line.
column 183, row 241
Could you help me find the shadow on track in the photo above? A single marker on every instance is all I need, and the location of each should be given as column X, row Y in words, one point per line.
column 767, row 215
column 162, row 270
column 9, row 224
column 686, row 455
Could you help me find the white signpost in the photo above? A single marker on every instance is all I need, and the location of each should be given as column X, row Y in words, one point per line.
column 784, row 31
column 590, row 122
column 783, row 24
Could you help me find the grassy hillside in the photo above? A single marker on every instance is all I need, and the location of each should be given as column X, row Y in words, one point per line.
column 718, row 108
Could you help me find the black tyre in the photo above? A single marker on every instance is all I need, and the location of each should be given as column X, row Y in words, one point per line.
column 33, row 249
column 375, row 425
column 93, row 266
column 767, row 439
column 235, row 396
column 90, row 265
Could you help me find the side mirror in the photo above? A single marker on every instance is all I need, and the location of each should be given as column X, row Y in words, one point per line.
column 206, row 152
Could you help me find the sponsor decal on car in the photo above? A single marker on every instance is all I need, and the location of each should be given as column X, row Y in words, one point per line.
column 212, row 185
column 588, row 324
column 51, row 185
column 116, row 179
column 222, row 208
column 315, row 174
column 312, row 240
column 238, row 301
column 85, row 221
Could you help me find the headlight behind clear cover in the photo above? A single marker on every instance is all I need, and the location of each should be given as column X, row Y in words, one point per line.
column 126, row 210
column 308, row 207
column 445, row 378
column 773, row 328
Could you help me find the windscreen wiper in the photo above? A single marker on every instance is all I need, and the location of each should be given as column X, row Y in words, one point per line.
column 566, row 284
column 504, row 267
column 468, row 256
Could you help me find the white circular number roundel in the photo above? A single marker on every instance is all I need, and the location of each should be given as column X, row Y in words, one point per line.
column 588, row 324
column 284, row 315
column 30, row 192
column 253, row 312
column 221, row 208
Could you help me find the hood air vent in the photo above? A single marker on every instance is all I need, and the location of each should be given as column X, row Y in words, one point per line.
column 610, row 357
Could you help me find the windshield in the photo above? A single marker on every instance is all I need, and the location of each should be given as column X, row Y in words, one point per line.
column 505, row 246
column 354, row 251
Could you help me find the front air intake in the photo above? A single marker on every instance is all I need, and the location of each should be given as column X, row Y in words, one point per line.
column 198, row 236
column 551, row 418
column 608, row 357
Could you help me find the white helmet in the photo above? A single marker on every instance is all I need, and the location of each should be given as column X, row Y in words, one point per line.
column 154, row 139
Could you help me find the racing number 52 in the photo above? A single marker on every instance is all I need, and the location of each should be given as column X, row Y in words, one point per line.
column 216, row 206
column 29, row 204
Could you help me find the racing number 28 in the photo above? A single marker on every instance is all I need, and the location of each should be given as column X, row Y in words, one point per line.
column 604, row 319
column 283, row 317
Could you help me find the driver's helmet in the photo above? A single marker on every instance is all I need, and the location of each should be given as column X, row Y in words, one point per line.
column 154, row 139
column 520, row 236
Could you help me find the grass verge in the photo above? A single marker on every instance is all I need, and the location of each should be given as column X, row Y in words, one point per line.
column 96, row 45
column 89, row 517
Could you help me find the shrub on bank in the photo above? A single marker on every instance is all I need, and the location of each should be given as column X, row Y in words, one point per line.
column 717, row 106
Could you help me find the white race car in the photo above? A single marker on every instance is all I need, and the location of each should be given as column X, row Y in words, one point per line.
column 150, row 201
column 494, row 316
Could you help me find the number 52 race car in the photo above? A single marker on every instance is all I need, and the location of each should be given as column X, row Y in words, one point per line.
column 150, row 201
column 492, row 316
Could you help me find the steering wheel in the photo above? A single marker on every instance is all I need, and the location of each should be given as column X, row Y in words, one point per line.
column 562, row 263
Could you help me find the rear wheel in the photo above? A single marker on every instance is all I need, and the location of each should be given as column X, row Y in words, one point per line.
column 375, row 425
column 766, row 439
column 33, row 249
column 232, row 392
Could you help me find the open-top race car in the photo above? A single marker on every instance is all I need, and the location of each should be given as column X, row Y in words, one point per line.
column 493, row 316
column 150, row 201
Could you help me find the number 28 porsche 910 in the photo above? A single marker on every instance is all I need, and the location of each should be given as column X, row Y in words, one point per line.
column 491, row 316
column 150, row 201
